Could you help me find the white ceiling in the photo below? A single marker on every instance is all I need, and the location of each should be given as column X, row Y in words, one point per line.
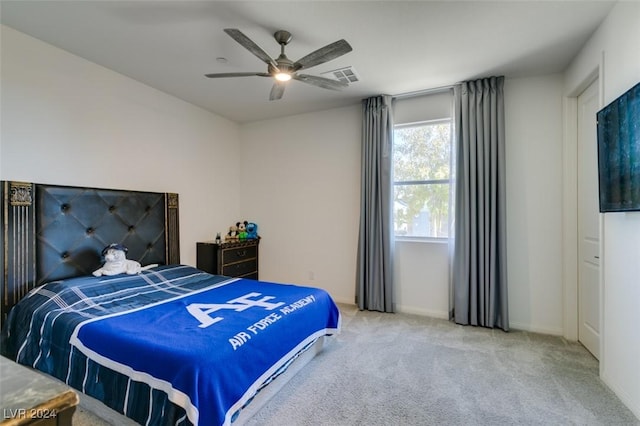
column 398, row 46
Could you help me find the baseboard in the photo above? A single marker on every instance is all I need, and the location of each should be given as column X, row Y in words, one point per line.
column 534, row 329
column 445, row 315
column 406, row 310
column 343, row 301
column 626, row 399
column 424, row 312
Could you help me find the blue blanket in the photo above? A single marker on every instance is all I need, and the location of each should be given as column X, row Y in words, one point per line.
column 206, row 341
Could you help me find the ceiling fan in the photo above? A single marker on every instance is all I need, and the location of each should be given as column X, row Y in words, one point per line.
column 283, row 69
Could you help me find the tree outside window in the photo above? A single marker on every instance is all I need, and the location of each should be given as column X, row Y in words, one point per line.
column 421, row 155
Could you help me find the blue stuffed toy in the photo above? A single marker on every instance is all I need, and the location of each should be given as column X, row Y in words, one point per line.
column 252, row 231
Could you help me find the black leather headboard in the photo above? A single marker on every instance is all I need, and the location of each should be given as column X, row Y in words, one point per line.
column 55, row 232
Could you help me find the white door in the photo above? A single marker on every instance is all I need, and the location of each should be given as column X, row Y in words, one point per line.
column 588, row 222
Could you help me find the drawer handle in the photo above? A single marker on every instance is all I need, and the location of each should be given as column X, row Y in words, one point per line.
column 241, row 253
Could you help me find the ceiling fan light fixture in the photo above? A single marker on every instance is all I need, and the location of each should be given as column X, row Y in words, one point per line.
column 283, row 76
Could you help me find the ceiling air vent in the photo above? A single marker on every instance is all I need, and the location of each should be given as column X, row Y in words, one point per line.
column 347, row 75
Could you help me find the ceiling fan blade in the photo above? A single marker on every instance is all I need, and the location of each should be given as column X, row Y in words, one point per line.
column 322, row 55
column 238, row 74
column 277, row 90
column 325, row 83
column 248, row 44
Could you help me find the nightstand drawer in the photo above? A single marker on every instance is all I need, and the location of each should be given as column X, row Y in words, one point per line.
column 238, row 254
column 241, row 268
column 231, row 258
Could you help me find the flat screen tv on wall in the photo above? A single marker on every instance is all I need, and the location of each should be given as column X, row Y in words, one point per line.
column 619, row 153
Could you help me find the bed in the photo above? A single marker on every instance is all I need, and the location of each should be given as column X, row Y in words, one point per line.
column 171, row 345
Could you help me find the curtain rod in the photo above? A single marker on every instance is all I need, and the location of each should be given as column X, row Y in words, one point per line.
column 422, row 92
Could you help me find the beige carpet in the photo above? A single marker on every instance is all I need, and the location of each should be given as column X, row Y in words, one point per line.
column 83, row 417
column 397, row 369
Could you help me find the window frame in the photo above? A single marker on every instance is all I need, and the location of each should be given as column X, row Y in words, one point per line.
column 408, row 238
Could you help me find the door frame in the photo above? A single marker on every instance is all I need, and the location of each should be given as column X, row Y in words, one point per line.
column 570, row 210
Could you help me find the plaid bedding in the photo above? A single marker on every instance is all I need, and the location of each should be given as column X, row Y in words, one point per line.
column 178, row 344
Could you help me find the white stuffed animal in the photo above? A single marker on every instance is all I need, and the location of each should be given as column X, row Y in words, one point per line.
column 116, row 262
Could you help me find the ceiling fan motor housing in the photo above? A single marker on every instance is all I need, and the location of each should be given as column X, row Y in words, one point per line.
column 282, row 37
column 284, row 65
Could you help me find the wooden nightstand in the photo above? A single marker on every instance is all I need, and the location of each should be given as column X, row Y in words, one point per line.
column 31, row 398
column 233, row 259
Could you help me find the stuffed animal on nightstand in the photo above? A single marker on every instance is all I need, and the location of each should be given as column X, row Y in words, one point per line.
column 252, row 231
column 232, row 235
column 242, row 230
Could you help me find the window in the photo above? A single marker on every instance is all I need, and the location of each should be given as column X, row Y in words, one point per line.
column 421, row 160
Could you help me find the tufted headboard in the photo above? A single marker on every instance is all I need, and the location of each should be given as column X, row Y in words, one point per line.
column 52, row 232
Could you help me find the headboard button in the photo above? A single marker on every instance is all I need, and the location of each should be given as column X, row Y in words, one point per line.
column 65, row 255
column 64, row 208
column 112, row 209
column 149, row 246
column 131, row 228
column 90, row 231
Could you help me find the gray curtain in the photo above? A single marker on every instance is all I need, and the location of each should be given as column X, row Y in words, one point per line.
column 479, row 264
column 375, row 243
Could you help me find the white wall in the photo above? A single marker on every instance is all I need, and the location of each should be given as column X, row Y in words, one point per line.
column 533, row 116
column 615, row 49
column 301, row 185
column 69, row 121
column 421, row 278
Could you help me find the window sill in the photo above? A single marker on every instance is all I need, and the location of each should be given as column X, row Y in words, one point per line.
column 422, row 240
